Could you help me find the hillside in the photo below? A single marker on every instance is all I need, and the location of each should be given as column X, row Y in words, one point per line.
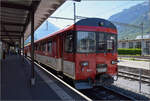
column 134, row 16
column 45, row 29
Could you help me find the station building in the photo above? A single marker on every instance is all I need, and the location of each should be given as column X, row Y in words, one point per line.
column 136, row 43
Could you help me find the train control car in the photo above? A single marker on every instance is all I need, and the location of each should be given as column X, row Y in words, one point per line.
column 86, row 52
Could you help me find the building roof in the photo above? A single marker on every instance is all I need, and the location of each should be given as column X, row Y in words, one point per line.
column 144, row 36
column 15, row 17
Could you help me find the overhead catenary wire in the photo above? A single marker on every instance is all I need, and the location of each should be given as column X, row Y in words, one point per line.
column 115, row 22
column 82, row 17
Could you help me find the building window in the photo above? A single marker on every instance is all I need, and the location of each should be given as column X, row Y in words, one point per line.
column 130, row 44
column 147, row 44
column 148, row 47
column 138, row 45
column 123, row 45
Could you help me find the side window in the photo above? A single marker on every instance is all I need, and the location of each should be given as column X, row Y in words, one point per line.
column 69, row 43
column 44, row 47
column 111, row 43
column 49, row 46
column 35, row 47
column 39, row 48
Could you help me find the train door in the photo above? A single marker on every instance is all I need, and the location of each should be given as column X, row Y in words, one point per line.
column 61, row 45
column 54, row 53
column 68, row 55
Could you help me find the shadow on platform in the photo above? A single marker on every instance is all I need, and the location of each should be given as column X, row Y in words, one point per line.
column 15, row 82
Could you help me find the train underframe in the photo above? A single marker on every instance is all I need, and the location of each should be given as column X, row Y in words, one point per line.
column 100, row 80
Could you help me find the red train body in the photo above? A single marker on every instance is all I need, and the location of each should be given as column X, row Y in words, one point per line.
column 85, row 52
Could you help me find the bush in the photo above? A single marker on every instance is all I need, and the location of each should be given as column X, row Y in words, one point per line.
column 129, row 51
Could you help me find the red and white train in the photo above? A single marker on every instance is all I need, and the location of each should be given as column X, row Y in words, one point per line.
column 85, row 52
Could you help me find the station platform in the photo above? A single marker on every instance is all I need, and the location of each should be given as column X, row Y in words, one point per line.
column 15, row 83
column 127, row 62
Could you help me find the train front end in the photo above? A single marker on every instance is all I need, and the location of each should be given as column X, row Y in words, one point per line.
column 96, row 53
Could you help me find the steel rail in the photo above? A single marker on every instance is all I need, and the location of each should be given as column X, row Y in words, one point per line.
column 120, row 93
column 106, row 93
column 134, row 76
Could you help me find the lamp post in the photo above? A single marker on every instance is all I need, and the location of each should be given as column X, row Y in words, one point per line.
column 142, row 44
column 32, row 47
column 142, row 41
column 75, row 35
column 74, row 12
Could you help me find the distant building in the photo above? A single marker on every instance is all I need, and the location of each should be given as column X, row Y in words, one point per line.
column 136, row 43
column 144, row 36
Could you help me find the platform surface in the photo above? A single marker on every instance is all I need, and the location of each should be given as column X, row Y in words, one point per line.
column 135, row 64
column 15, row 83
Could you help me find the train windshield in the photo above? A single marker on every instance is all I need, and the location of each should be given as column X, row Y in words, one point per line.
column 88, row 42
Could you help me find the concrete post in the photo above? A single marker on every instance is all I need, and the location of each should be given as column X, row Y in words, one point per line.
column 23, row 45
column 20, row 47
column 32, row 46
column 142, row 41
column 1, row 51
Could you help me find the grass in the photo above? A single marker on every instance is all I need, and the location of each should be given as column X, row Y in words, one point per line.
column 129, row 55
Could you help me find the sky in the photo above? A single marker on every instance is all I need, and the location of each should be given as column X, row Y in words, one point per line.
column 90, row 8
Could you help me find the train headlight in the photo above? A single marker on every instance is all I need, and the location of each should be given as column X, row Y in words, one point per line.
column 114, row 62
column 85, row 63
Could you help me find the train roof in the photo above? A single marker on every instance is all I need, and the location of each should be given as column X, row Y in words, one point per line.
column 96, row 22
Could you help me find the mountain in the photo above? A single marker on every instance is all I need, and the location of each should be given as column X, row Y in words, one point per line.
column 45, row 29
column 133, row 16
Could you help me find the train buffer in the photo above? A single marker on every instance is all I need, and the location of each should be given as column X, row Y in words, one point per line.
column 15, row 83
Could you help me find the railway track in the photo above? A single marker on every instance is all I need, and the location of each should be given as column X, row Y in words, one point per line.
column 134, row 76
column 105, row 93
column 96, row 93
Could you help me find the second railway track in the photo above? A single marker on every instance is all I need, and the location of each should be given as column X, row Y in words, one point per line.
column 105, row 93
column 134, row 76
